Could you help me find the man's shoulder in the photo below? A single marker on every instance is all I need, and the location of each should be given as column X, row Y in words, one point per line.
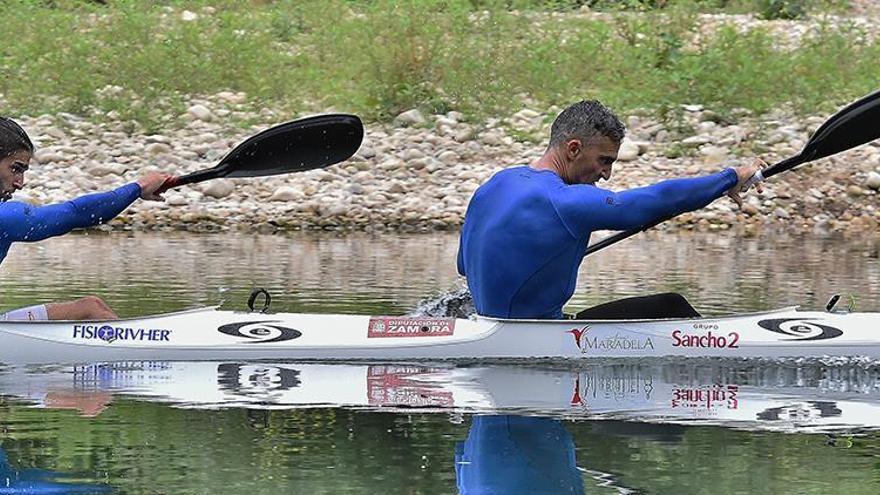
column 509, row 172
column 520, row 176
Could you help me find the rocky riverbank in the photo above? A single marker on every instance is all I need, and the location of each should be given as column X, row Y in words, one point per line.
column 419, row 172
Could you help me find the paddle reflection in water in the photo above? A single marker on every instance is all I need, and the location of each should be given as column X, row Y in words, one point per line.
column 40, row 481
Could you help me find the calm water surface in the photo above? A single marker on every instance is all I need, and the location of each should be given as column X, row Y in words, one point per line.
column 695, row 426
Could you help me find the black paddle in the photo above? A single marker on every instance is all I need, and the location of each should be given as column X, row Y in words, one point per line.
column 296, row 146
column 856, row 124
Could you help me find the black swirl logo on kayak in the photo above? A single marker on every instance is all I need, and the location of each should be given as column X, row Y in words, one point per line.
column 261, row 332
column 801, row 328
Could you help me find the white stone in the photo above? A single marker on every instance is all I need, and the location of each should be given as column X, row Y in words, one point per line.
column 412, row 154
column 492, row 138
column 102, row 170
column 230, row 97
column 188, row 16
column 286, row 194
column 709, row 150
column 628, row 152
column 697, row 140
column 218, row 189
column 176, row 199
column 207, row 137
column 48, row 156
column 527, row 113
column 154, row 149
column 463, row 135
column 410, row 118
column 873, row 181
column 200, row 112
column 366, row 152
column 152, row 138
column 449, row 157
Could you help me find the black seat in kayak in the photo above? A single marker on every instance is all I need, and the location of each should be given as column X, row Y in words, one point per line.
column 666, row 305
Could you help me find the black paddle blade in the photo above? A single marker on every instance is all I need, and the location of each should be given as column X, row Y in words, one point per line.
column 857, row 124
column 297, row 146
column 854, row 125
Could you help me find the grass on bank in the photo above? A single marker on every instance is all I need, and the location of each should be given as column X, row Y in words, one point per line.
column 381, row 57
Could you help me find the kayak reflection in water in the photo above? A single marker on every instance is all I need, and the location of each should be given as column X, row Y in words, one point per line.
column 22, row 222
column 517, row 455
column 39, row 481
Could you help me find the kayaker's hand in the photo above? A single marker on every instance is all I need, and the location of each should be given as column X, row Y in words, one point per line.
column 150, row 183
column 743, row 174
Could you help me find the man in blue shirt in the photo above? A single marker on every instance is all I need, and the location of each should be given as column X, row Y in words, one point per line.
column 526, row 230
column 21, row 222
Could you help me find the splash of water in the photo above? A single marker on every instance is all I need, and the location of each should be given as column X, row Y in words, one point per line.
column 455, row 303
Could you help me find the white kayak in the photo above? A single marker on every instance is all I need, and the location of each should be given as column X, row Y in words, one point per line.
column 213, row 334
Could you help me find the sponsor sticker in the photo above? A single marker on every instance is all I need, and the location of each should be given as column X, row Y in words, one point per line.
column 800, row 328
column 260, row 332
column 707, row 340
column 587, row 343
column 392, row 326
column 110, row 333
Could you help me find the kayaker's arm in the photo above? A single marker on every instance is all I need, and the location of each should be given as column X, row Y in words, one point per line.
column 600, row 209
column 24, row 222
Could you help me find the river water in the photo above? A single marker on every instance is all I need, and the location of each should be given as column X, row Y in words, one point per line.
column 642, row 426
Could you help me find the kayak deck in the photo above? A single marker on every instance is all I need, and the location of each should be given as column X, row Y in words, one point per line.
column 210, row 333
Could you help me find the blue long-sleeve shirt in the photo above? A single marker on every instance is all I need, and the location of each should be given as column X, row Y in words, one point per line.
column 526, row 232
column 21, row 222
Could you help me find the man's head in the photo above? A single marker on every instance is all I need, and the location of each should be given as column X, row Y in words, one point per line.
column 16, row 150
column 585, row 138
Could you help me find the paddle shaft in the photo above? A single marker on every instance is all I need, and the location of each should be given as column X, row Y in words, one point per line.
column 193, row 178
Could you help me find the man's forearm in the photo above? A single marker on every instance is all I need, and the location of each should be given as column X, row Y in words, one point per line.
column 33, row 223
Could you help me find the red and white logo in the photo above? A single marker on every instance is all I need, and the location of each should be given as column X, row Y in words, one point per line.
column 395, row 326
column 608, row 343
column 578, row 333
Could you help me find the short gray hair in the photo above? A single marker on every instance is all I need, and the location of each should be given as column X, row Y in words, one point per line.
column 584, row 120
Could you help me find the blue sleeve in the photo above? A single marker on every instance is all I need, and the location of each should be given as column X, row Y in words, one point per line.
column 587, row 208
column 24, row 222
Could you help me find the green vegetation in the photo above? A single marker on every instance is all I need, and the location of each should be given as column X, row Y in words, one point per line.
column 380, row 57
